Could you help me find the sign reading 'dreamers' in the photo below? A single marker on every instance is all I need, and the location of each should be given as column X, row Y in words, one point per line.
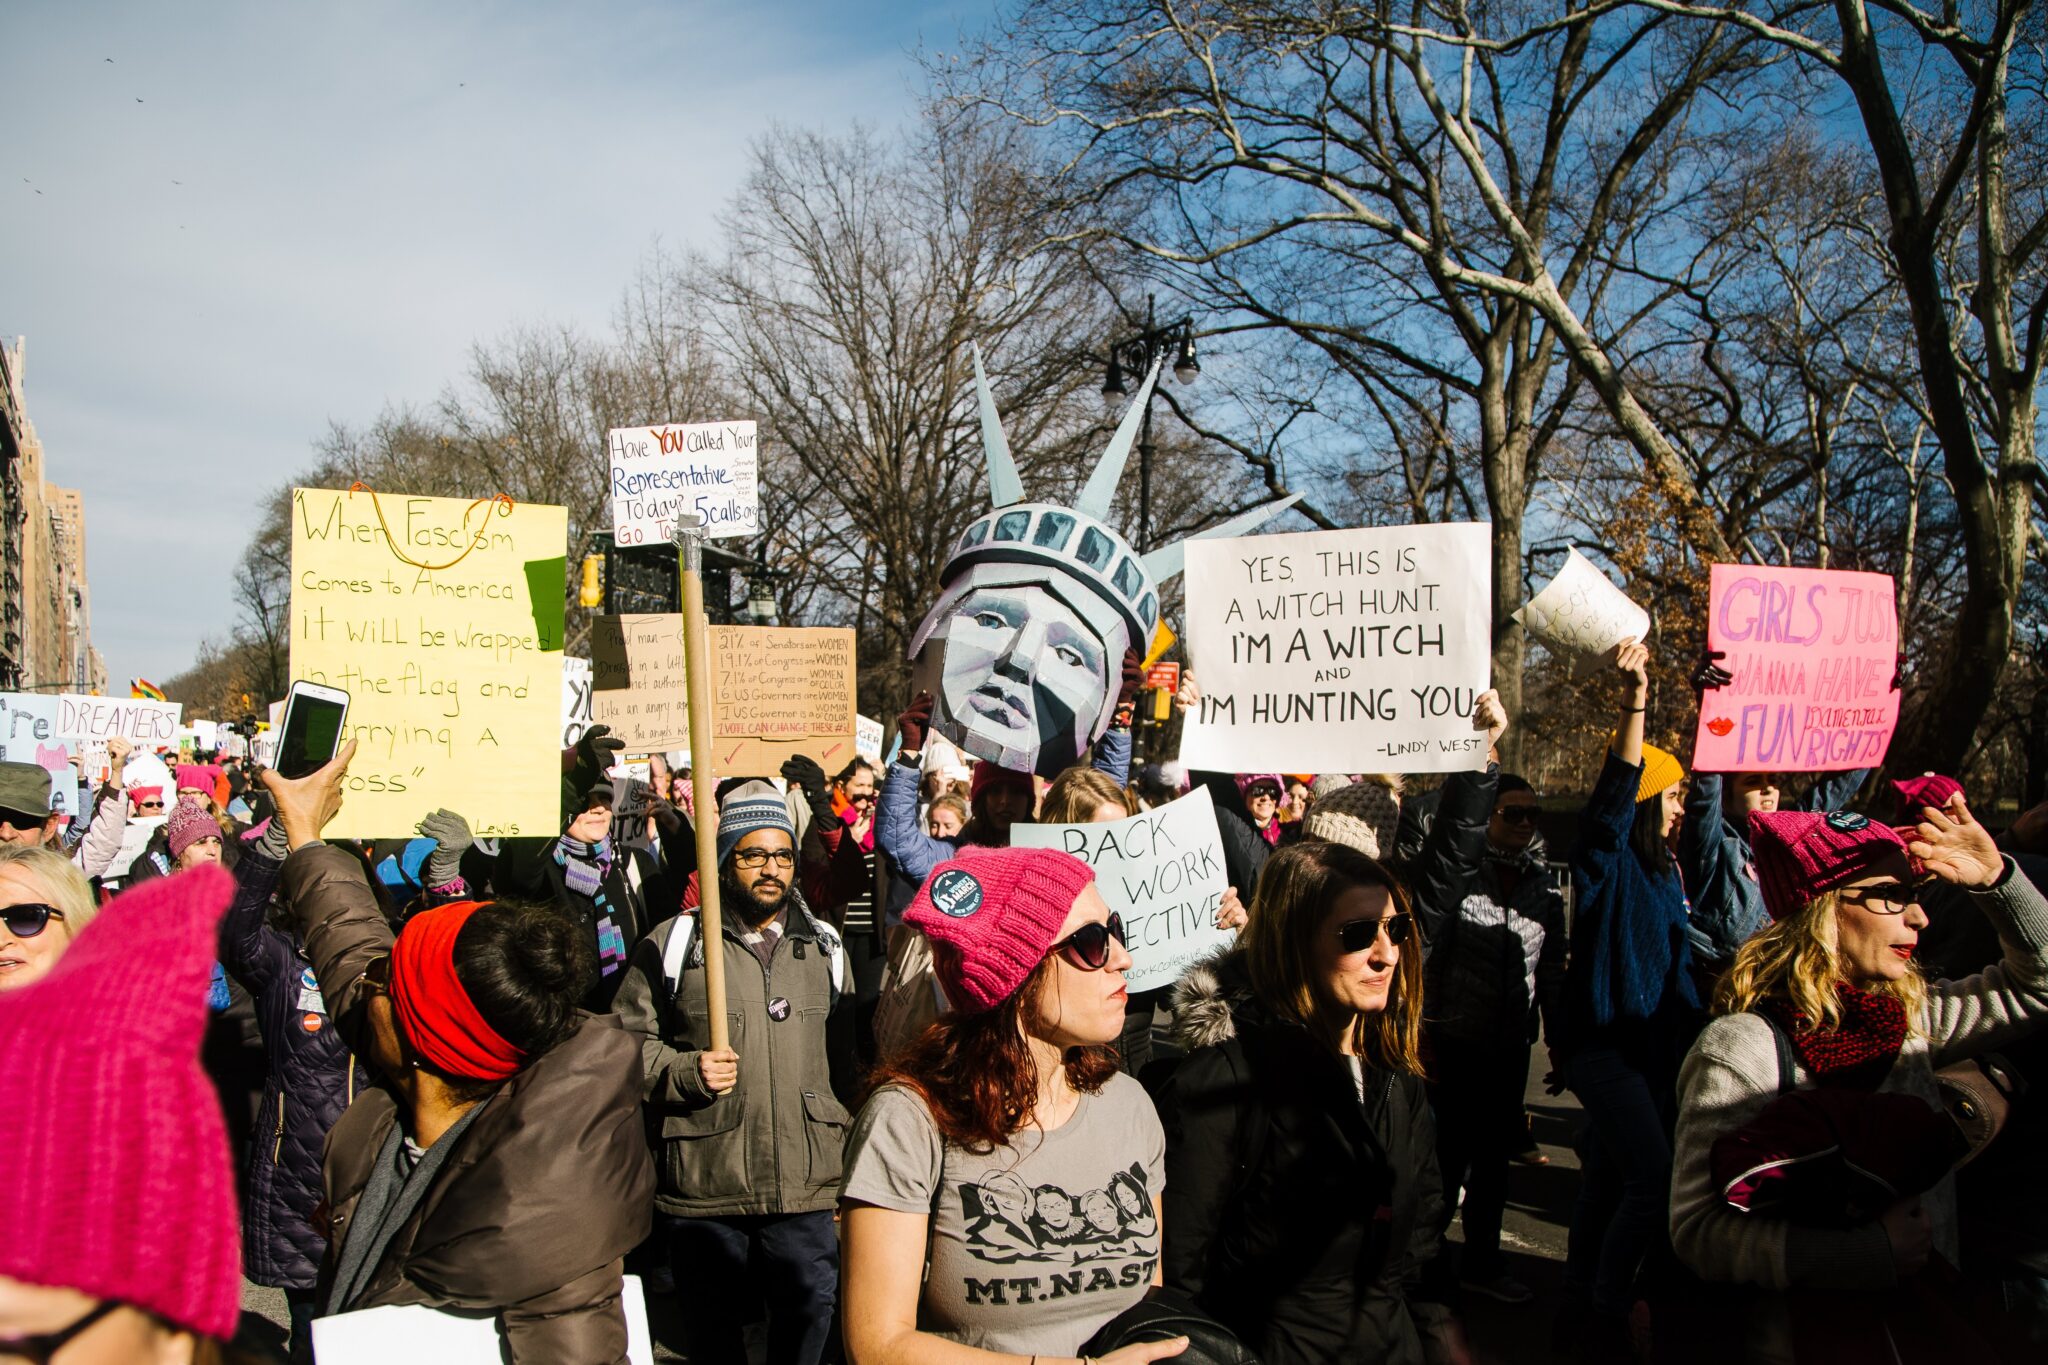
column 1813, row 653
column 146, row 724
column 707, row 469
column 446, row 631
column 1339, row 651
column 1162, row 871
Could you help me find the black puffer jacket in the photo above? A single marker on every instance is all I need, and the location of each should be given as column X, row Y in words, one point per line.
column 312, row 1077
column 1297, row 1215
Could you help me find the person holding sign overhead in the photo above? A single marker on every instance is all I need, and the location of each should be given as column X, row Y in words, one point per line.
column 1631, row 1009
column 499, row 1164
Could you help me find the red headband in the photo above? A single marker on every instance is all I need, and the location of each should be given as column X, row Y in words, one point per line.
column 439, row 1019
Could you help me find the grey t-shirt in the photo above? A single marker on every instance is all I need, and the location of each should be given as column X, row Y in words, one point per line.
column 1034, row 1245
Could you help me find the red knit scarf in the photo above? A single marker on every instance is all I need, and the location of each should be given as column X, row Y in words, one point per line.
column 1859, row 1054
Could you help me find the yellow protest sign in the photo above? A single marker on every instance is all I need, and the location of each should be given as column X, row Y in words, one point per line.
column 442, row 620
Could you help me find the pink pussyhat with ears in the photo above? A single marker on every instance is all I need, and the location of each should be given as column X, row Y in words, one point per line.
column 1928, row 789
column 992, row 915
column 117, row 1180
column 1801, row 853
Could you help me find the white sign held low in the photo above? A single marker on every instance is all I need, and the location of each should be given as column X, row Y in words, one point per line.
column 705, row 469
column 1163, row 872
column 1339, row 651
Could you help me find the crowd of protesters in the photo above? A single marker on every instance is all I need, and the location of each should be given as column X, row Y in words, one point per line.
column 480, row 1076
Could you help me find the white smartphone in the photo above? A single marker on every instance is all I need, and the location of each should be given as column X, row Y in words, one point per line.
column 309, row 732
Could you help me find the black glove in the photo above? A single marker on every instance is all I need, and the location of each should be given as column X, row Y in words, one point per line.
column 803, row 773
column 592, row 757
column 450, row 832
column 1899, row 674
column 915, row 723
column 1710, row 675
column 1133, row 679
column 667, row 818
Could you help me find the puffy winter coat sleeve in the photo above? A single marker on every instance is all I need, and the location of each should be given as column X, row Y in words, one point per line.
column 1244, row 850
column 582, row 1320
column 914, row 851
column 95, row 853
column 253, row 952
column 1113, row 756
column 1199, row 1107
column 1443, row 872
column 328, row 893
column 2010, row 996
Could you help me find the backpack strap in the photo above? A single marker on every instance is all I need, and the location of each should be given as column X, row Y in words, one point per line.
column 1786, row 1062
column 676, row 955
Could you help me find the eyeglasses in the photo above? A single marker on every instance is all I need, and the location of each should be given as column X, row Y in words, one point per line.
column 26, row 921
column 21, row 819
column 1262, row 794
column 1359, row 934
column 761, row 857
column 1088, row 946
column 1885, row 898
column 1517, row 815
column 42, row 1347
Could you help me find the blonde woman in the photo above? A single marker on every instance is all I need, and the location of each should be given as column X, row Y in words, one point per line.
column 45, row 902
column 1834, row 976
column 1299, row 1147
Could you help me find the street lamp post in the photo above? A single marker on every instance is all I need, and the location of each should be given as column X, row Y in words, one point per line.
column 1136, row 354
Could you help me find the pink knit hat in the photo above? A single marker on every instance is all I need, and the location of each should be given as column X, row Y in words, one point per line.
column 1801, row 853
column 118, row 1180
column 188, row 824
column 1928, row 789
column 992, row 914
column 193, row 778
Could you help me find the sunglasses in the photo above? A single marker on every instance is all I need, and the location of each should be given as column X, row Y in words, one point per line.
column 43, row 1347
column 1355, row 936
column 1885, row 898
column 21, row 819
column 1088, row 946
column 1517, row 815
column 26, row 921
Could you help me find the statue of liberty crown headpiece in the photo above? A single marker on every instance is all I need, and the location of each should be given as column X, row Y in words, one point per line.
column 1078, row 542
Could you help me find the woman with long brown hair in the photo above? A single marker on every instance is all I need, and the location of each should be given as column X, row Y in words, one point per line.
column 1299, row 1145
column 1003, row 1180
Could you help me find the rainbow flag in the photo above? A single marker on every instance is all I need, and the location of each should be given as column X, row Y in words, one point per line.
column 146, row 690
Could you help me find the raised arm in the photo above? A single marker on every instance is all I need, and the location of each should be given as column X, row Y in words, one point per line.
column 2010, row 997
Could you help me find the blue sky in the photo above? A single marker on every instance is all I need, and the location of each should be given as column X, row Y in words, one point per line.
column 256, row 218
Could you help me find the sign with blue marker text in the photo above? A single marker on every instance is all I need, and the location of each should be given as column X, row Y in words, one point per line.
column 704, row 469
column 1163, row 872
column 1339, row 651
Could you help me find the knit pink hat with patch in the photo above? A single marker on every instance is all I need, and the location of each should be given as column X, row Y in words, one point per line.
column 118, row 1180
column 188, row 824
column 992, row 914
column 1799, row 853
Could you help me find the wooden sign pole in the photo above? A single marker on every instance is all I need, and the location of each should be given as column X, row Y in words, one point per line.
column 689, row 540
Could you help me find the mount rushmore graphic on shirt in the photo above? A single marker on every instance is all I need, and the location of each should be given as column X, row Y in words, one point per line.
column 1008, row 1222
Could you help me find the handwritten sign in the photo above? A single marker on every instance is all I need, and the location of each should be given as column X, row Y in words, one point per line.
column 28, row 734
column 867, row 738
column 1581, row 612
column 1162, row 871
column 446, row 631
column 575, row 699
column 1813, row 652
column 709, row 469
column 638, row 681
column 150, row 724
column 1345, row 651
column 776, row 691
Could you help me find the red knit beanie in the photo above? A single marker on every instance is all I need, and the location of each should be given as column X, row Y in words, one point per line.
column 117, row 1180
column 988, row 775
column 1800, row 853
column 992, row 915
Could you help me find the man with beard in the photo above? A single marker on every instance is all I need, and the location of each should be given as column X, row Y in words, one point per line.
column 750, row 1133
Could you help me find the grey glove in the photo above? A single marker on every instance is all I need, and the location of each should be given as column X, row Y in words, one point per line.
column 450, row 832
column 273, row 844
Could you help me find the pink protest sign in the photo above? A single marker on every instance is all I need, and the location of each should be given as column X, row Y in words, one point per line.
column 1813, row 652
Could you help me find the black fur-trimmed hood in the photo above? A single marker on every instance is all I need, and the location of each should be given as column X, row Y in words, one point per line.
column 1209, row 998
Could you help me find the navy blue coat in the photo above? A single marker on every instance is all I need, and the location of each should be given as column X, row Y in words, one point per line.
column 312, row 1078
